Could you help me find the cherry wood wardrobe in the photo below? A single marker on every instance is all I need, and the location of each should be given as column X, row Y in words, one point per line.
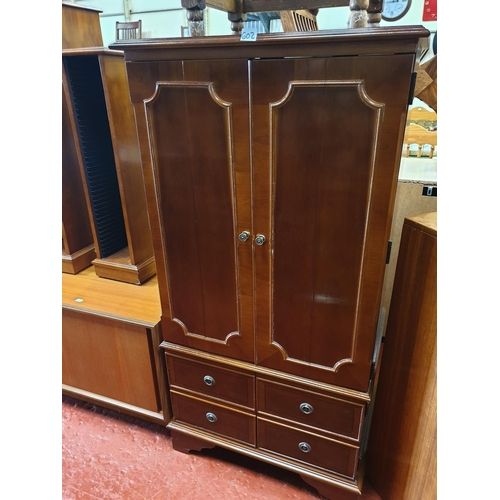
column 270, row 171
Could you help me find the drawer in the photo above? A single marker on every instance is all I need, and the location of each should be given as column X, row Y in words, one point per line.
column 310, row 408
column 308, row 448
column 210, row 380
column 214, row 418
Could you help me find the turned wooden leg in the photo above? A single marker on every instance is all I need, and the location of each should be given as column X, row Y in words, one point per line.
column 358, row 16
column 374, row 12
column 237, row 22
column 195, row 10
column 184, row 443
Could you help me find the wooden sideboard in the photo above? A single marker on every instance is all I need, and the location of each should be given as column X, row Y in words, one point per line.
column 110, row 345
column 402, row 454
column 270, row 170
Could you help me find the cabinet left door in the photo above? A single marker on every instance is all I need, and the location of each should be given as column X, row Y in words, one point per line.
column 194, row 115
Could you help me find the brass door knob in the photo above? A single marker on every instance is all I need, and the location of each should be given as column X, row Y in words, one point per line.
column 244, row 236
column 260, row 239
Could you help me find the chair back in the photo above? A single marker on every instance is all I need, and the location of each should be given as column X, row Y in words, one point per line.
column 424, row 141
column 129, row 30
column 298, row 20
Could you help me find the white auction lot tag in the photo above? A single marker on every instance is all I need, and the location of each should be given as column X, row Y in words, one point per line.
column 248, row 35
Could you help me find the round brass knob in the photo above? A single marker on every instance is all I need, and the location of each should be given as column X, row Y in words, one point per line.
column 244, row 236
column 260, row 239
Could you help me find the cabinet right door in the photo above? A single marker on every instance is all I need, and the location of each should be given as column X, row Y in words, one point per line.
column 327, row 137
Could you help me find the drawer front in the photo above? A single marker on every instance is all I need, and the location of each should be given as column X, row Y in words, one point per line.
column 308, row 448
column 310, row 408
column 214, row 418
column 214, row 381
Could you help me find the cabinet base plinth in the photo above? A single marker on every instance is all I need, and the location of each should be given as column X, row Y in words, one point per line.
column 186, row 438
column 124, row 271
column 185, row 443
column 76, row 262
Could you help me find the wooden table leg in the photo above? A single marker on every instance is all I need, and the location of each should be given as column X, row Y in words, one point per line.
column 195, row 14
column 358, row 16
column 374, row 12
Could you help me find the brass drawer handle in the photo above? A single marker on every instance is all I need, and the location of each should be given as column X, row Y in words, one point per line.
column 211, row 417
column 209, row 380
column 306, row 408
column 305, row 447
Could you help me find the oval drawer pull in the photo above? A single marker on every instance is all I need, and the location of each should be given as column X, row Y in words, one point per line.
column 306, row 408
column 211, row 417
column 209, row 380
column 305, row 447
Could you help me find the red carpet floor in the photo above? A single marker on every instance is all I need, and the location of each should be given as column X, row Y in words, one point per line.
column 110, row 456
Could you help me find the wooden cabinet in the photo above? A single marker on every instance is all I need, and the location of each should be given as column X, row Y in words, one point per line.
column 402, row 454
column 270, row 171
column 81, row 27
column 110, row 345
column 100, row 132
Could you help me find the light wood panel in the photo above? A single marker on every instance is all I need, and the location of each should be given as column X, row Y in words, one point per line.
column 421, row 137
column 112, row 298
column 401, row 456
column 110, row 345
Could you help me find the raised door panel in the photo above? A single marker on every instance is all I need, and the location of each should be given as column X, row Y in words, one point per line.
column 327, row 140
column 197, row 127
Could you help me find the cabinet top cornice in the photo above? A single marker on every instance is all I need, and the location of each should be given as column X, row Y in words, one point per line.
column 380, row 40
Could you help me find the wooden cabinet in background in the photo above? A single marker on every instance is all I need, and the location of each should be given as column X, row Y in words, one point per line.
column 103, row 135
column 81, row 26
column 270, row 171
column 110, row 345
column 402, row 451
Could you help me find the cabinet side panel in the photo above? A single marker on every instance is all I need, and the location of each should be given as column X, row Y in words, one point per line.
column 190, row 143
column 401, row 454
column 110, row 358
column 127, row 158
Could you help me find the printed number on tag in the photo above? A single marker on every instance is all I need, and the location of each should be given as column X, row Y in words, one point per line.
column 248, row 35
